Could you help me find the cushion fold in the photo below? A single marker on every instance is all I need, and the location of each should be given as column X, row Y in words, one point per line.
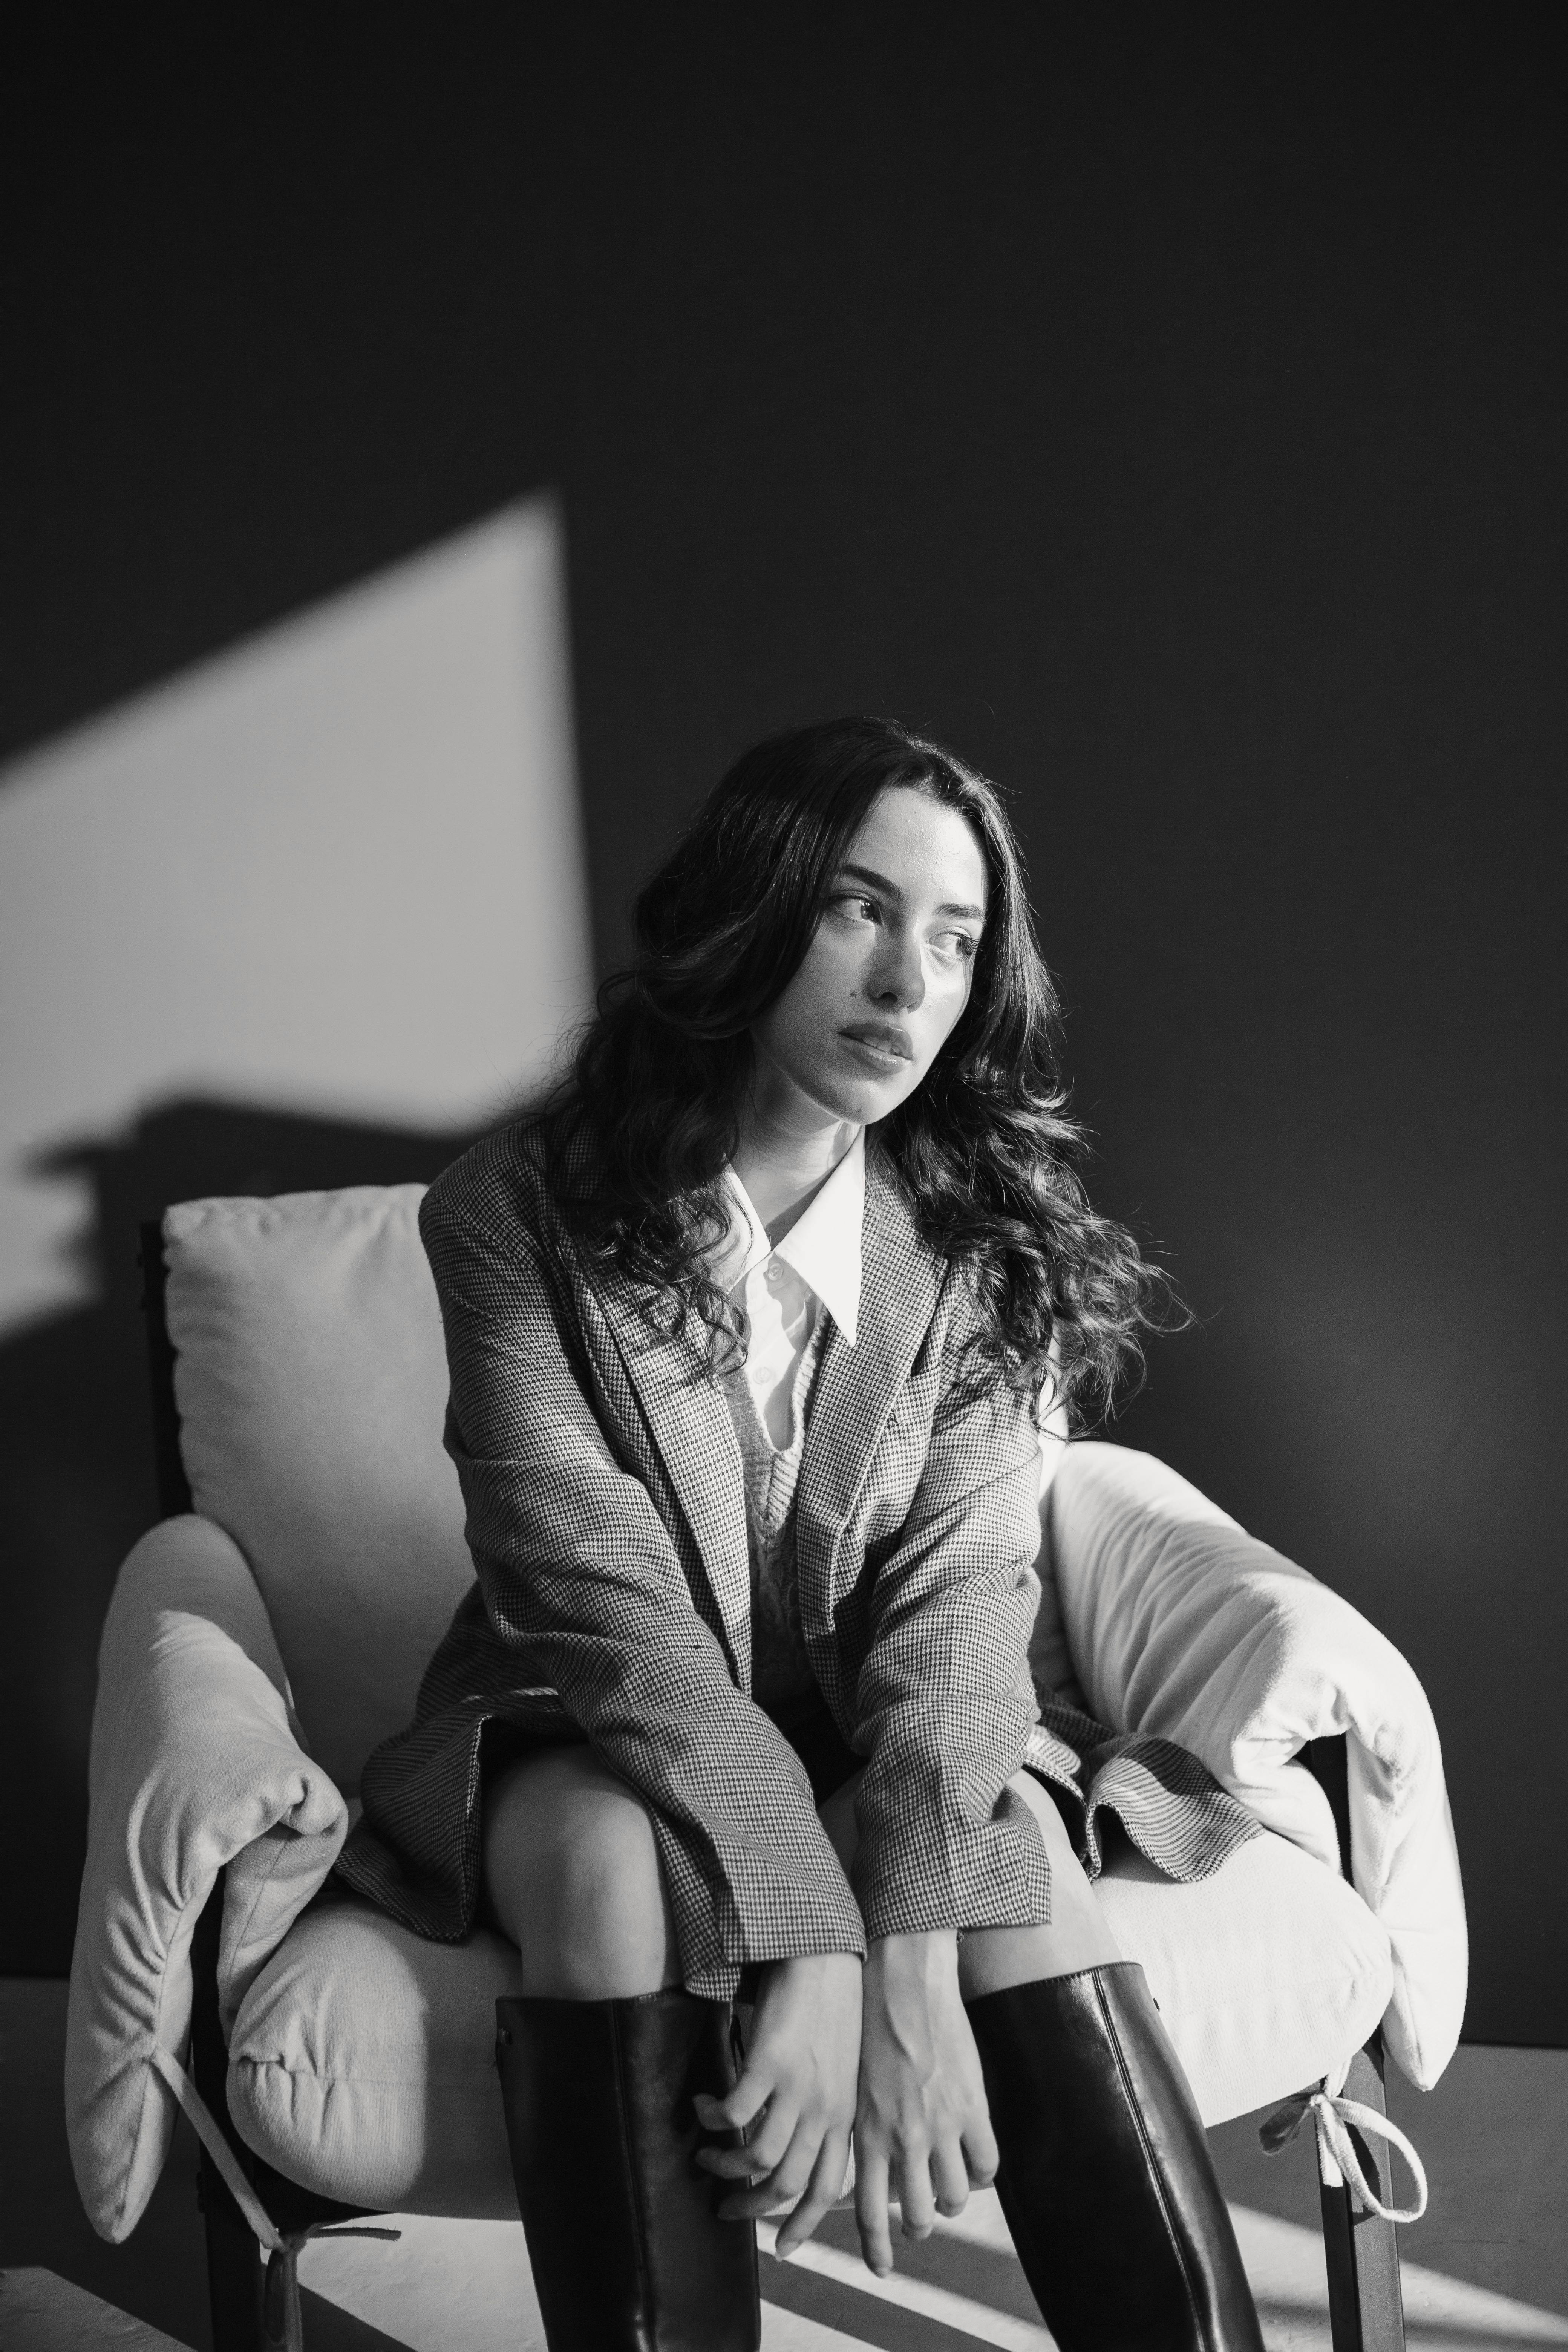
column 195, row 1766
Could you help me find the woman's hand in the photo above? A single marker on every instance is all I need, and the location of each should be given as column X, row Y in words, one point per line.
column 922, row 2129
column 801, row 2067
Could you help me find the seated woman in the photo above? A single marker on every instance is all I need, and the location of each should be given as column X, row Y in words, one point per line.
column 747, row 1332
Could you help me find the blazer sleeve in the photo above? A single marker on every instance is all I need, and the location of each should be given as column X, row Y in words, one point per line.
column 583, row 1585
column 945, row 1701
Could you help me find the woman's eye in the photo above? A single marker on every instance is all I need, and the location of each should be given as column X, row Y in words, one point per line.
column 958, row 946
column 852, row 902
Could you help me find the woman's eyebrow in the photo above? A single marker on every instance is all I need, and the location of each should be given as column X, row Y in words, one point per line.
column 891, row 890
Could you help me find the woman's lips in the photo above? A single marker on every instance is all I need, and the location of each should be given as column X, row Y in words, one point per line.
column 885, row 1048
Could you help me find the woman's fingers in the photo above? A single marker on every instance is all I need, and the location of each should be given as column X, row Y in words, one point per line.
column 871, row 2207
column 915, row 2192
column 730, row 2163
column 949, row 2175
column 781, row 2183
column 763, row 2151
column 980, row 2153
column 734, row 2158
column 742, row 2104
column 822, row 2192
column 734, row 2114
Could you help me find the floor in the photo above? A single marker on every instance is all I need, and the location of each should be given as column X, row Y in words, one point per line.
column 1486, row 2270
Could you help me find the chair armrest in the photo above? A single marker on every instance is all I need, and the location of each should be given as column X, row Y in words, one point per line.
column 196, row 1764
column 1179, row 1623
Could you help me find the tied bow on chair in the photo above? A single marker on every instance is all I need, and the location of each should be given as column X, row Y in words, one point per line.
column 1338, row 2162
column 281, row 2324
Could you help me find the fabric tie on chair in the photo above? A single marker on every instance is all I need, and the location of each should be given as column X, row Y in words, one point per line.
column 1338, row 2162
column 281, row 2325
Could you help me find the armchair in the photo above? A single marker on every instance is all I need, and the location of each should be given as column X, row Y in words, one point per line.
column 272, row 1628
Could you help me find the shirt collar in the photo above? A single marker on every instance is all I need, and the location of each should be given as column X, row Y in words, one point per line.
column 823, row 1246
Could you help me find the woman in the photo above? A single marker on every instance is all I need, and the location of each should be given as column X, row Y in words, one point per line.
column 747, row 1332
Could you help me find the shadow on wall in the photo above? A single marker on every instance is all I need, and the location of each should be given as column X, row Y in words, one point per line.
column 337, row 868
column 75, row 1473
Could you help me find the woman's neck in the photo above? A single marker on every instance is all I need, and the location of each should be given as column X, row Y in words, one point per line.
column 783, row 1161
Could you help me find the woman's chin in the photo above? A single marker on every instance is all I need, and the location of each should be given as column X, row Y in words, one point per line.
column 838, row 1087
column 860, row 1100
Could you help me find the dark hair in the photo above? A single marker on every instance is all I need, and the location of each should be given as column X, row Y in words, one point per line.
column 983, row 1148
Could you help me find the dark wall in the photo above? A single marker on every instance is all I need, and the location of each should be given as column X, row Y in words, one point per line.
column 1169, row 410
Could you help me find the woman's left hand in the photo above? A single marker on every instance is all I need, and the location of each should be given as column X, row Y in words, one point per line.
column 795, row 2096
column 922, row 2128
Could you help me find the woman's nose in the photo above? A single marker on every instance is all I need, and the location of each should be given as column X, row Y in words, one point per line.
column 899, row 977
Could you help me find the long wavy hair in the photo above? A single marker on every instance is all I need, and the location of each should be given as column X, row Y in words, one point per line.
column 638, row 1132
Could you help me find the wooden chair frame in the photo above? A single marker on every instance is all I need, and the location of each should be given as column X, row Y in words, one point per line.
column 1365, row 2306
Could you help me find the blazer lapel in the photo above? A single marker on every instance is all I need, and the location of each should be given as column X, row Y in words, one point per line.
column 856, row 1386
column 855, row 1390
column 692, row 1432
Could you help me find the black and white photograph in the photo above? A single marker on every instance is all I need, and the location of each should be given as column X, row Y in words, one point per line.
column 783, row 1254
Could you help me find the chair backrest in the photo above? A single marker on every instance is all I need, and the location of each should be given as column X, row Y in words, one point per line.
column 311, row 1382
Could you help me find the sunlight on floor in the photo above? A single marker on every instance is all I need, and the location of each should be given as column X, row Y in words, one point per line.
column 448, row 2282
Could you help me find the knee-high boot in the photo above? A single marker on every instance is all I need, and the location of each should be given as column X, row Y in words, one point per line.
column 627, row 2250
column 1106, row 2178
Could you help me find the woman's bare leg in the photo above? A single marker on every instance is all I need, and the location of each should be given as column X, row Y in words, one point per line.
column 572, row 1873
column 601, row 2062
column 990, row 1959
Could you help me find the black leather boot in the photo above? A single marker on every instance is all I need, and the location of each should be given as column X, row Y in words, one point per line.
column 628, row 2250
column 1106, row 2178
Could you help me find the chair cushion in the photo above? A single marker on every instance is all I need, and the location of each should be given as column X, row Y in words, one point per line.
column 363, row 2064
column 311, row 1382
column 1266, row 1974
column 362, row 2061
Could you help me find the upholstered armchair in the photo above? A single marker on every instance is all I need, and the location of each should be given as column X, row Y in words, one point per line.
column 273, row 1628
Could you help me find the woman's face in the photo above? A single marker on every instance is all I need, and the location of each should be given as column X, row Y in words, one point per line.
column 888, row 972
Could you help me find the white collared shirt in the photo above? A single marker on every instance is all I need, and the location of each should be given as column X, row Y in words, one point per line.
column 780, row 1292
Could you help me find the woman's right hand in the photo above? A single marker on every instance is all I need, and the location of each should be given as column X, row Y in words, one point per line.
column 800, row 2077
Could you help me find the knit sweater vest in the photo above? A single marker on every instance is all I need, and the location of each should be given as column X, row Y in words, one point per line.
column 781, row 1670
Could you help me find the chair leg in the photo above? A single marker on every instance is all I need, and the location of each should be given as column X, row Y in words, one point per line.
column 234, row 2265
column 1366, row 2310
column 233, row 2257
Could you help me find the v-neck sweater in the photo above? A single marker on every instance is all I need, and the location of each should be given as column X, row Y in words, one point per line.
column 781, row 1669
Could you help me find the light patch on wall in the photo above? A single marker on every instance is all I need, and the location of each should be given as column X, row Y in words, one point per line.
column 337, row 870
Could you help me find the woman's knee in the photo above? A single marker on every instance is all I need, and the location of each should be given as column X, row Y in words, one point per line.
column 572, row 1872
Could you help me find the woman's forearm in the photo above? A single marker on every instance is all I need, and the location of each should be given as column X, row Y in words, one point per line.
column 922, row 2129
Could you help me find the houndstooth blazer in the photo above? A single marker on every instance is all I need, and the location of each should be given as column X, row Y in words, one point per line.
column 606, row 1518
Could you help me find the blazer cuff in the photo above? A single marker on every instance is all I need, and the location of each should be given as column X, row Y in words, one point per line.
column 915, row 1877
column 732, row 1913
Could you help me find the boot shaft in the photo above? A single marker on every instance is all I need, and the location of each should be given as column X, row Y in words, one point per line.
column 627, row 2250
column 1106, row 2178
